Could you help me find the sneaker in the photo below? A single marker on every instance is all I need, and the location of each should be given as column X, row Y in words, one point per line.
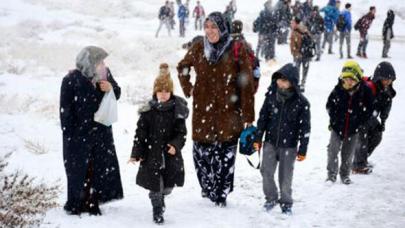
column 365, row 170
column 269, row 205
column 359, row 55
column 331, row 179
column 349, row 57
column 346, row 180
column 286, row 210
column 365, row 56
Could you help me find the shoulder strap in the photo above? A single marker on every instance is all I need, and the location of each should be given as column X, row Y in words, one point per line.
column 251, row 163
column 370, row 84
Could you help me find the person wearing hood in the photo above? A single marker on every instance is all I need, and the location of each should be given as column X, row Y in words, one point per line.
column 296, row 42
column 223, row 103
column 283, row 10
column 363, row 24
column 285, row 121
column 91, row 164
column 382, row 86
column 159, row 138
column 388, row 32
column 350, row 106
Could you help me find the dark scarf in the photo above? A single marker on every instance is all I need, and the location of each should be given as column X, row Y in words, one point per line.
column 283, row 95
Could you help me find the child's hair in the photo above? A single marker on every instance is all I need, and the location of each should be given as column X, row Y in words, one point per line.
column 163, row 82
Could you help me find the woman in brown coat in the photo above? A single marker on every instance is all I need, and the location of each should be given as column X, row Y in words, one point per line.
column 223, row 102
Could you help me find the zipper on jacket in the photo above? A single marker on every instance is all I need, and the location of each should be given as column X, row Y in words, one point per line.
column 347, row 117
column 279, row 123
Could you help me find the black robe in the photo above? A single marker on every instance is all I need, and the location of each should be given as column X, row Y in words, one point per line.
column 87, row 145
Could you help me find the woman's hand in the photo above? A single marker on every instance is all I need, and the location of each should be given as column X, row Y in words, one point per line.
column 134, row 160
column 105, row 86
column 172, row 150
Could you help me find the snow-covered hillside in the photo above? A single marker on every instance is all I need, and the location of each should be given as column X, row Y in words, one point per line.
column 39, row 42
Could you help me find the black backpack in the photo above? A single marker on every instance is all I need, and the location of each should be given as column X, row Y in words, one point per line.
column 307, row 46
column 340, row 23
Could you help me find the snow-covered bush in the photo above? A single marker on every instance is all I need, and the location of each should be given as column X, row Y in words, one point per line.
column 23, row 202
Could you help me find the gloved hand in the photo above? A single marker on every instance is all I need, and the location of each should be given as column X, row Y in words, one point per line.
column 257, row 146
column 300, row 157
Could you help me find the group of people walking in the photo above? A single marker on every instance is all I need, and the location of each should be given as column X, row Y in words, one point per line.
column 223, row 96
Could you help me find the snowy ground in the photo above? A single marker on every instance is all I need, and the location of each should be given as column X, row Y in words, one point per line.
column 39, row 42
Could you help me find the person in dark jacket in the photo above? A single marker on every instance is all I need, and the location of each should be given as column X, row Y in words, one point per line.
column 349, row 106
column 316, row 27
column 345, row 27
column 239, row 41
column 382, row 84
column 363, row 24
column 91, row 165
column 159, row 137
column 388, row 32
column 284, row 14
column 307, row 8
column 285, row 121
column 165, row 14
column 266, row 26
column 182, row 14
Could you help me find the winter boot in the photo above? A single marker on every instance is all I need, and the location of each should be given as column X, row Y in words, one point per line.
column 158, row 215
column 346, row 180
column 331, row 179
column 365, row 170
column 220, row 202
column 286, row 209
column 204, row 194
column 94, row 210
column 365, row 56
column 269, row 205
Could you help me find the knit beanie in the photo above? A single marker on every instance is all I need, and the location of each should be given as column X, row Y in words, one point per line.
column 351, row 69
column 163, row 82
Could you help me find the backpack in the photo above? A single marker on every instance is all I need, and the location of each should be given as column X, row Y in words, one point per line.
column 254, row 62
column 308, row 49
column 341, row 23
column 370, row 84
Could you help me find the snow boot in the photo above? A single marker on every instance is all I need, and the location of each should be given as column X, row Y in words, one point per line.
column 346, row 180
column 158, row 215
column 331, row 179
column 286, row 209
column 269, row 205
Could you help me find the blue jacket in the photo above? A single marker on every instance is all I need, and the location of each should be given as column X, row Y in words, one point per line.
column 285, row 123
column 182, row 12
column 331, row 17
column 348, row 20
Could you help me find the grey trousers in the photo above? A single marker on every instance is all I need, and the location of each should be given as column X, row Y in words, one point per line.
column 386, row 48
column 165, row 22
column 305, row 68
column 285, row 158
column 328, row 38
column 347, row 147
column 317, row 38
column 157, row 198
column 345, row 36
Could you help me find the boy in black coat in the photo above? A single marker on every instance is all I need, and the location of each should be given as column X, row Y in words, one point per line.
column 349, row 106
column 159, row 137
column 381, row 85
column 285, row 122
column 388, row 32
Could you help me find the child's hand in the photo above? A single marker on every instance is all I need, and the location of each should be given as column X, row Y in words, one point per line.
column 257, row 146
column 300, row 157
column 172, row 150
column 105, row 86
column 134, row 160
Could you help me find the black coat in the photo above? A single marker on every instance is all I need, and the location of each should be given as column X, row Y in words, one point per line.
column 388, row 24
column 159, row 125
column 266, row 23
column 87, row 142
column 285, row 123
column 349, row 112
column 315, row 24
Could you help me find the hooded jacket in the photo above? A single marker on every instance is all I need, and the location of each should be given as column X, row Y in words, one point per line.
column 284, row 124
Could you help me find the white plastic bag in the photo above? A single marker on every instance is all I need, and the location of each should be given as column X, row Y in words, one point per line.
column 107, row 112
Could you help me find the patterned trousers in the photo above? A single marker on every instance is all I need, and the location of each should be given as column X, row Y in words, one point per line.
column 215, row 167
